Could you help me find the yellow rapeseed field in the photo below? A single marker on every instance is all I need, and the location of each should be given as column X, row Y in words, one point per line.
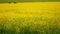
column 30, row 8
column 30, row 18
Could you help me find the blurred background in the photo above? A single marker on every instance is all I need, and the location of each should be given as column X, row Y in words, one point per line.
column 5, row 1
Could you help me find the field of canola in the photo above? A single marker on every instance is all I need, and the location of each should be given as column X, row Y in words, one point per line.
column 30, row 18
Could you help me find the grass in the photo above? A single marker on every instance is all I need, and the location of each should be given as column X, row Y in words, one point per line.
column 30, row 18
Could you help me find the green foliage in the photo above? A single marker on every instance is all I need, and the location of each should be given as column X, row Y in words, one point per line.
column 29, row 25
column 6, row 1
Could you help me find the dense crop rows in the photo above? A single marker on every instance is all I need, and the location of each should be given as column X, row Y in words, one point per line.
column 30, row 18
column 29, row 25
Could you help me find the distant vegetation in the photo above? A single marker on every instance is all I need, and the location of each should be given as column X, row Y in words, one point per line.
column 12, row 1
